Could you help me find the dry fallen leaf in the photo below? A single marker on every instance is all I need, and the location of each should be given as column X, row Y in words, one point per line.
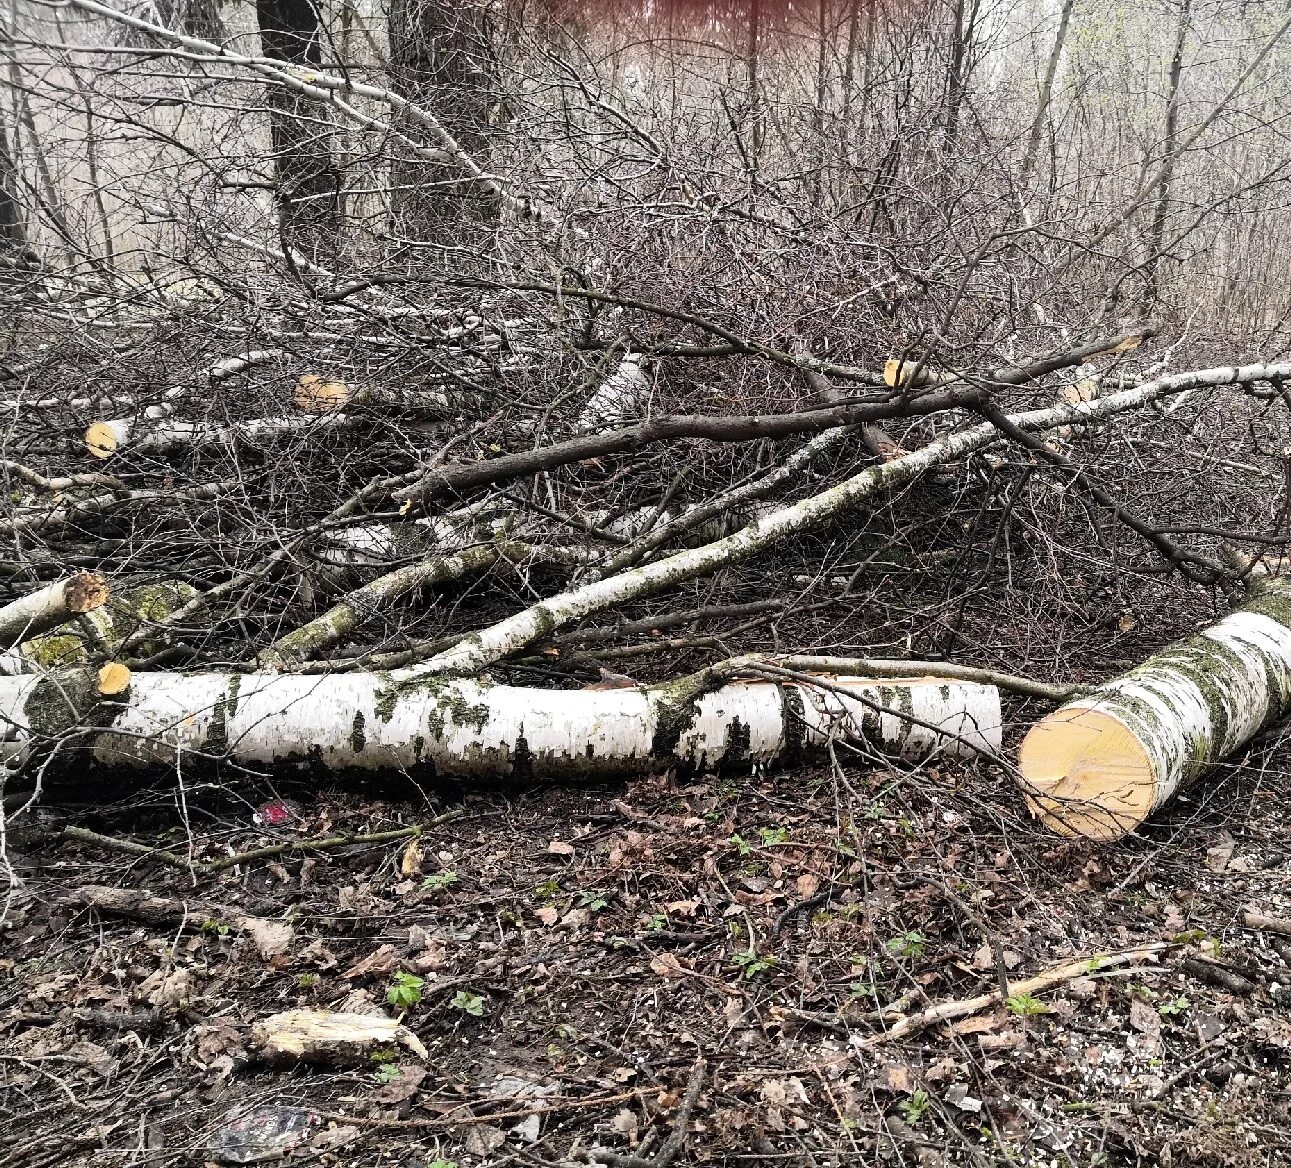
column 666, row 965
column 483, row 1139
column 1144, row 1018
column 549, row 916
column 807, row 885
column 897, row 1078
column 269, row 937
column 375, row 964
column 560, row 848
column 402, row 1087
column 626, row 1124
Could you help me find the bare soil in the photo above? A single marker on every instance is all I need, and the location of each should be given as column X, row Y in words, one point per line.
column 586, row 954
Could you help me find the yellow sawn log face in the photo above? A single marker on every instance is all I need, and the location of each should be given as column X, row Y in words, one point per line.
column 1085, row 774
column 100, row 440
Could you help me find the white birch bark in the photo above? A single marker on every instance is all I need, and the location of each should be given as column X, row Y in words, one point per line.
column 51, row 606
column 104, row 439
column 618, row 398
column 478, row 650
column 1101, row 764
column 471, row 729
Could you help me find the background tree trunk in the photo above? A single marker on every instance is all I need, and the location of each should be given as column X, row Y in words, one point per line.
column 442, row 57
column 1170, row 146
column 308, row 181
column 13, row 233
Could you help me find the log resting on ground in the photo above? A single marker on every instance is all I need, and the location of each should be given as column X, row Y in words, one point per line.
column 104, row 439
column 471, row 729
column 1101, row 764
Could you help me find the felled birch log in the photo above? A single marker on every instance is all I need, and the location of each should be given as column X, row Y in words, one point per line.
column 1101, row 764
column 316, row 394
column 104, row 439
column 471, row 729
column 51, row 606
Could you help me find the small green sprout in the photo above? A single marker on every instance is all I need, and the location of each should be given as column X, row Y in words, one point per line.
column 468, row 1003
column 752, row 965
column 913, row 1108
column 439, row 881
column 908, row 945
column 405, row 990
column 1025, row 1005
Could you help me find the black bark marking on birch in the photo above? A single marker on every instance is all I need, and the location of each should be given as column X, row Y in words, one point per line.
column 739, row 737
column 794, row 720
column 358, row 739
column 522, row 761
column 217, row 738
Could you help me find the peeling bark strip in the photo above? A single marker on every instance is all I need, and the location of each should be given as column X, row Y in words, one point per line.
column 470, row 729
column 1100, row 765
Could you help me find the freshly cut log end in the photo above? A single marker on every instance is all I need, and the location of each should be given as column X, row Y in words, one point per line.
column 85, row 592
column 904, row 374
column 1100, row 765
column 114, row 678
column 1087, row 774
column 51, row 606
column 316, row 394
column 103, row 438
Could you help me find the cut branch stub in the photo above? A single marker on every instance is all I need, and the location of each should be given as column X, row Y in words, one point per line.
column 316, row 394
column 1100, row 765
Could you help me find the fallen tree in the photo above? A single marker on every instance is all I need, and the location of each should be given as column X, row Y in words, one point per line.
column 467, row 728
column 51, row 606
column 1101, row 764
column 482, row 648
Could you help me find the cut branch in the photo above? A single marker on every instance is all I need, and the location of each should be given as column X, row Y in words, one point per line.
column 514, row 633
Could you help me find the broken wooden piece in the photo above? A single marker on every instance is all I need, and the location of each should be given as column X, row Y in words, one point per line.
column 1101, row 764
column 325, row 1038
column 1057, row 975
column 270, row 938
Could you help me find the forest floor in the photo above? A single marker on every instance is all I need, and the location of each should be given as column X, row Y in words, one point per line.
column 587, row 955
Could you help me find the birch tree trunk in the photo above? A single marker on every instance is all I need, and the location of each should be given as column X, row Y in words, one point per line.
column 470, row 729
column 1101, row 764
column 1170, row 147
column 51, row 606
